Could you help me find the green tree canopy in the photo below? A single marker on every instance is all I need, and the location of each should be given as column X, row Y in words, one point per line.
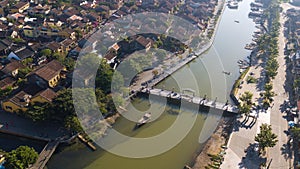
column 104, row 78
column 38, row 111
column 20, row 158
column 266, row 138
column 46, row 52
column 247, row 98
column 72, row 123
column 295, row 132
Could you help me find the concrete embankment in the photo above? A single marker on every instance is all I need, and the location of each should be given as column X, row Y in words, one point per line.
column 24, row 135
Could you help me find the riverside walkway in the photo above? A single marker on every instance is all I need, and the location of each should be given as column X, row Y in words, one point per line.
column 192, row 99
column 45, row 155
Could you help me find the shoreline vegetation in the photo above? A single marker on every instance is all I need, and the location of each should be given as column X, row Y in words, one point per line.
column 236, row 85
column 218, row 133
column 212, row 154
column 211, row 35
column 213, row 150
column 220, row 7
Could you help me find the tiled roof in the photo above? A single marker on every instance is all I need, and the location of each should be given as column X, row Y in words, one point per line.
column 12, row 66
column 19, row 100
column 143, row 41
column 8, row 81
column 53, row 46
column 20, row 4
column 47, row 94
column 50, row 70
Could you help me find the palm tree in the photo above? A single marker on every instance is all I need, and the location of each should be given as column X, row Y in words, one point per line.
column 266, row 138
column 247, row 98
column 295, row 132
column 244, row 108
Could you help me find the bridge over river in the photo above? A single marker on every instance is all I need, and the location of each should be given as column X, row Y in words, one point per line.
column 45, row 155
column 192, row 99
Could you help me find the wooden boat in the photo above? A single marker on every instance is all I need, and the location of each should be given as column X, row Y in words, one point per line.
column 87, row 142
column 226, row 73
column 2, row 158
column 145, row 119
column 233, row 5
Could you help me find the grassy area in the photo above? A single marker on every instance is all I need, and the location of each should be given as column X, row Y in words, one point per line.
column 237, row 83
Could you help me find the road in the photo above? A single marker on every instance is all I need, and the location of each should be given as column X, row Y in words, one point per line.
column 280, row 152
column 14, row 124
column 239, row 153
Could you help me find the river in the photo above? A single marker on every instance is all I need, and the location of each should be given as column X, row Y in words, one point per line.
column 228, row 47
column 10, row 142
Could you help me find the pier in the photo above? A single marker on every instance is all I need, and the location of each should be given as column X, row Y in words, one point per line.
column 45, row 155
column 192, row 99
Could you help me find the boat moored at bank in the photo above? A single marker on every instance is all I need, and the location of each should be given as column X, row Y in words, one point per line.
column 145, row 119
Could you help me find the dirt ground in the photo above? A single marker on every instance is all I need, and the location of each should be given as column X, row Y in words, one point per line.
column 214, row 144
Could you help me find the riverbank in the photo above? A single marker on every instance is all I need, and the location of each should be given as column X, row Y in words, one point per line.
column 215, row 145
column 185, row 58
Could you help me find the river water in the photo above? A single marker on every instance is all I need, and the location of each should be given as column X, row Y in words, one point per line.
column 205, row 75
column 9, row 142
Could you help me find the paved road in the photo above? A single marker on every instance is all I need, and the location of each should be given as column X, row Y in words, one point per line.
column 279, row 156
column 13, row 123
column 280, row 152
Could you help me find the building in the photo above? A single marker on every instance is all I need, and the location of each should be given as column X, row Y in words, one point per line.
column 11, row 69
column 48, row 75
column 24, row 98
column 19, row 7
column 143, row 43
column 7, row 82
column 21, row 53
column 67, row 45
column 30, row 32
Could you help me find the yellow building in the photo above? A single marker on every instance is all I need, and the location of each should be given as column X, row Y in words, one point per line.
column 19, row 7
column 22, row 100
column 18, row 102
column 48, row 75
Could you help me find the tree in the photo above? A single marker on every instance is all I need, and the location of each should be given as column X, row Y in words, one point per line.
column 78, row 33
column 268, row 87
column 20, row 158
column 244, row 108
column 62, row 106
column 6, row 91
column 295, row 132
column 59, row 56
column 247, row 98
column 72, row 123
column 37, row 111
column 117, row 82
column 155, row 73
column 161, row 55
column 104, row 77
column 23, row 72
column 69, row 63
column 27, row 61
column 271, row 68
column 266, row 138
column 46, row 52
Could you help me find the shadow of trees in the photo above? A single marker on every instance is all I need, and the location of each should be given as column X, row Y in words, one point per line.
column 252, row 159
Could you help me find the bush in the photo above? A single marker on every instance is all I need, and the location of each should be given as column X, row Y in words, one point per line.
column 251, row 79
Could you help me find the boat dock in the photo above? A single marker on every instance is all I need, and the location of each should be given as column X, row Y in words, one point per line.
column 87, row 142
column 45, row 155
column 192, row 99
